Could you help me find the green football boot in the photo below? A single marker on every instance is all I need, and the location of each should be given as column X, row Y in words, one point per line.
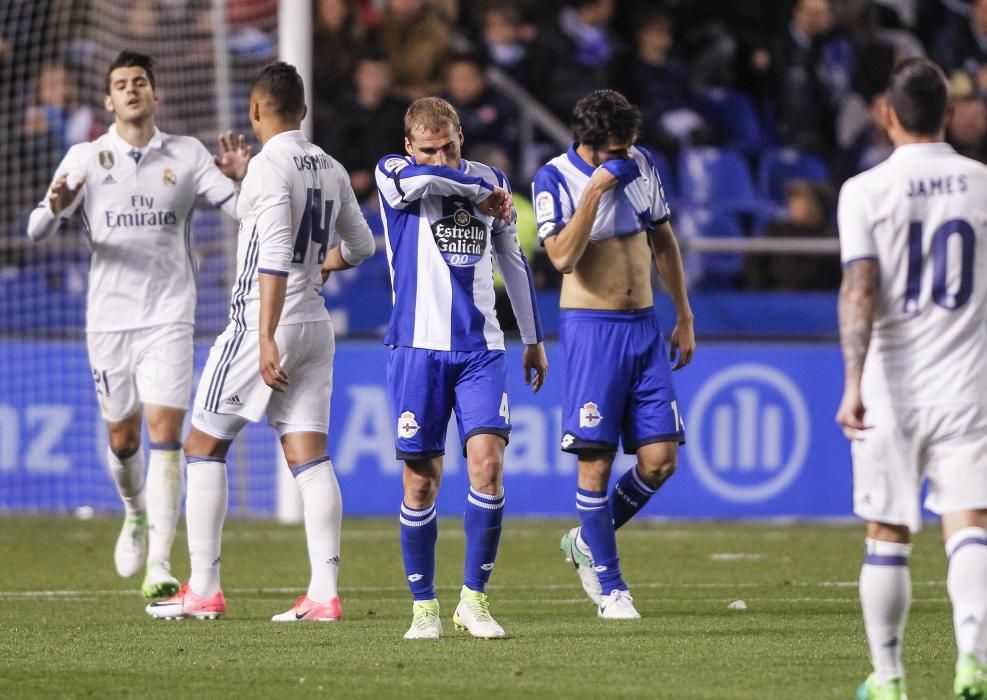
column 971, row 679
column 893, row 689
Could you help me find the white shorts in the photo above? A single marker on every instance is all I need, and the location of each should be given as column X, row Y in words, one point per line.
column 145, row 365
column 945, row 444
column 231, row 390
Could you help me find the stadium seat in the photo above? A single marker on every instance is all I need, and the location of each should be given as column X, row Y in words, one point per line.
column 667, row 175
column 711, row 176
column 710, row 270
column 734, row 117
column 779, row 165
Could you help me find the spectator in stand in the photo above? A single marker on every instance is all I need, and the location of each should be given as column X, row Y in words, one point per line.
column 54, row 113
column 578, row 55
column 415, row 39
column 339, row 38
column 962, row 44
column 363, row 125
column 810, row 206
column 486, row 115
column 966, row 128
column 791, row 79
column 507, row 42
column 867, row 148
column 659, row 85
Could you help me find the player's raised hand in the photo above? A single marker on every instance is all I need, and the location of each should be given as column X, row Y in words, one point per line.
column 850, row 414
column 534, row 360
column 682, row 343
column 234, row 156
column 602, row 179
column 60, row 195
column 499, row 205
column 270, row 365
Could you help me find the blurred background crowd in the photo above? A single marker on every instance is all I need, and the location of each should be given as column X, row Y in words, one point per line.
column 758, row 109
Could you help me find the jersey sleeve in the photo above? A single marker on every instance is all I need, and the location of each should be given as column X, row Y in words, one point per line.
column 211, row 184
column 401, row 183
column 856, row 233
column 660, row 211
column 270, row 193
column 553, row 204
column 357, row 241
column 43, row 222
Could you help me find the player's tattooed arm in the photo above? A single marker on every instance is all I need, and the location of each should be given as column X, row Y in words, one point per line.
column 858, row 298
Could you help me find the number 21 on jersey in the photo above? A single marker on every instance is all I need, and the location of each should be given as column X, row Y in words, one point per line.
column 939, row 256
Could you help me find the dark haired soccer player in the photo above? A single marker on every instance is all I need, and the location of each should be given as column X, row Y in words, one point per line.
column 135, row 188
column 293, row 198
column 447, row 219
column 913, row 328
column 602, row 216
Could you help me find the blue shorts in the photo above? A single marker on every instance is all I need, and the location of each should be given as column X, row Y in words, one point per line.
column 617, row 381
column 426, row 385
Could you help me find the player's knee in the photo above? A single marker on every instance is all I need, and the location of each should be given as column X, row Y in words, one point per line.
column 420, row 490
column 124, row 443
column 657, row 472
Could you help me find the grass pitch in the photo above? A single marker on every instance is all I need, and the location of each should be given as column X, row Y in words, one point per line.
column 69, row 627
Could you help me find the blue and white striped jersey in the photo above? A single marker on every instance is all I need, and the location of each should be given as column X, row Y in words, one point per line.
column 626, row 209
column 441, row 250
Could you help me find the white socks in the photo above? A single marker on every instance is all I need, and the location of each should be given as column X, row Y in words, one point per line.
column 205, row 511
column 128, row 475
column 966, row 582
column 885, row 595
column 323, row 518
column 165, row 482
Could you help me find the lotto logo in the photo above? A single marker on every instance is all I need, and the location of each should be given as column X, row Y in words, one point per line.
column 414, row 578
column 567, row 440
column 487, row 567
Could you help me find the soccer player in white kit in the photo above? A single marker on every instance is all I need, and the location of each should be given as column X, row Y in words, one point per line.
column 135, row 188
column 913, row 328
column 293, row 198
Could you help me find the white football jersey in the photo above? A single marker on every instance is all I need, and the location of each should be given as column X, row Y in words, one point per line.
column 922, row 214
column 293, row 198
column 136, row 207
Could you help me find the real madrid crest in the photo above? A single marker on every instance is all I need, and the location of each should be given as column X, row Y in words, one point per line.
column 106, row 159
column 169, row 177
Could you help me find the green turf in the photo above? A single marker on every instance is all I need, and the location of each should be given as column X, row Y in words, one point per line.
column 69, row 627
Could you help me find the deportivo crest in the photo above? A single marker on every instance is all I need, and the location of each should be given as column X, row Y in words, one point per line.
column 544, row 206
column 107, row 159
column 589, row 415
column 461, row 238
column 407, row 425
column 169, row 177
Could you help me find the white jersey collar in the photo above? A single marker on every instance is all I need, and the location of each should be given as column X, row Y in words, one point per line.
column 157, row 139
column 922, row 149
column 293, row 135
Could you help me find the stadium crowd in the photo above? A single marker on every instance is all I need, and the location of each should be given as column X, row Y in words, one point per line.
column 759, row 109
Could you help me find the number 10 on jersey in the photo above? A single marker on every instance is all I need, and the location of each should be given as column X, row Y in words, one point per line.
column 939, row 256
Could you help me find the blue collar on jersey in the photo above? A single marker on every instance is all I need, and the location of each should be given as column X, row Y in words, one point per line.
column 583, row 167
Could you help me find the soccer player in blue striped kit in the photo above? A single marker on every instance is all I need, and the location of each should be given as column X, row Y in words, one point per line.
column 446, row 220
column 602, row 216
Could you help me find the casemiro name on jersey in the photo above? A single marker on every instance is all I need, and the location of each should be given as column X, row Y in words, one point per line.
column 144, row 214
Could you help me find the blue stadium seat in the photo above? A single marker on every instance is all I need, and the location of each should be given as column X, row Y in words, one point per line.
column 710, row 270
column 779, row 165
column 734, row 117
column 711, row 176
column 667, row 175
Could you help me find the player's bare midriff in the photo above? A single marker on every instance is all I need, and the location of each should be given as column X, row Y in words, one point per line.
column 613, row 274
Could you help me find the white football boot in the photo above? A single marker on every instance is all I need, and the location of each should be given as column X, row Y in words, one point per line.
column 131, row 548
column 473, row 614
column 618, row 606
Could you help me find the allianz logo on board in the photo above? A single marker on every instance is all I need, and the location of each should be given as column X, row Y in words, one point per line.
column 749, row 433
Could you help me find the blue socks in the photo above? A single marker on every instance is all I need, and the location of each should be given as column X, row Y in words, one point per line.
column 598, row 532
column 419, row 530
column 482, row 523
column 628, row 496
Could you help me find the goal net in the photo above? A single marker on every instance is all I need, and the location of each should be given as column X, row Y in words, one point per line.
column 53, row 60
